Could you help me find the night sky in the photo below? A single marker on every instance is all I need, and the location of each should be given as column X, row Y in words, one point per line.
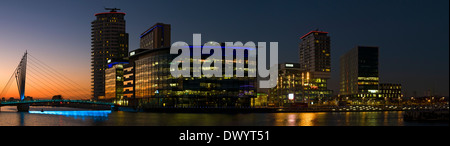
column 412, row 34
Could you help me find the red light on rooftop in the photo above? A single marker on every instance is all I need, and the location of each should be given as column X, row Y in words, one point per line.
column 110, row 13
column 313, row 32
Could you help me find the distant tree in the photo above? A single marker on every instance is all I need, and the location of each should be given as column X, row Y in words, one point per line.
column 28, row 98
column 57, row 97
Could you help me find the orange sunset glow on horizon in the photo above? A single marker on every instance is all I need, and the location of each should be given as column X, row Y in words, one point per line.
column 46, row 76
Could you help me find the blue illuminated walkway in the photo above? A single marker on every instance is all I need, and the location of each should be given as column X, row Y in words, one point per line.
column 97, row 115
column 53, row 101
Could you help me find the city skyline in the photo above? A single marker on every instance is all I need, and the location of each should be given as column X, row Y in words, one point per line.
column 70, row 34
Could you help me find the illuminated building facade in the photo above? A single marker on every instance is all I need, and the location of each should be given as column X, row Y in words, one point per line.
column 114, row 82
column 315, row 90
column 157, row 36
column 260, row 100
column 315, row 62
column 109, row 41
column 154, row 85
column 359, row 73
column 390, row 91
column 296, row 86
column 128, row 82
column 289, row 86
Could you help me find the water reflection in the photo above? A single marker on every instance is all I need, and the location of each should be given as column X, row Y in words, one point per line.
column 387, row 118
column 65, row 117
column 292, row 119
column 307, row 119
column 95, row 115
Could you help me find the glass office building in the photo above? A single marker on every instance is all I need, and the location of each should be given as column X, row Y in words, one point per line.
column 114, row 82
column 155, row 86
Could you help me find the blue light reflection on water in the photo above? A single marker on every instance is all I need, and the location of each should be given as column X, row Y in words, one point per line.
column 100, row 115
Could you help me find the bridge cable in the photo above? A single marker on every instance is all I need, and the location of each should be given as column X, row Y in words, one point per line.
column 39, row 68
column 57, row 73
column 39, row 90
column 52, row 83
column 33, row 70
column 8, row 84
column 60, row 79
column 42, row 83
column 46, row 87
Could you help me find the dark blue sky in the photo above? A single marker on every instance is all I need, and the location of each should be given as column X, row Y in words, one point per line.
column 412, row 35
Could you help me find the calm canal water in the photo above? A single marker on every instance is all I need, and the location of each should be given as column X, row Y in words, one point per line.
column 78, row 117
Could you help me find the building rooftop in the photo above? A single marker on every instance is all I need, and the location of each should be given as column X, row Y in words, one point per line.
column 313, row 32
column 110, row 13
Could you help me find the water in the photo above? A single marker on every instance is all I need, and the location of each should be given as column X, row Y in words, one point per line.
column 62, row 116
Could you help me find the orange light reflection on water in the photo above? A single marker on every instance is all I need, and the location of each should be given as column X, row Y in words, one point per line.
column 295, row 119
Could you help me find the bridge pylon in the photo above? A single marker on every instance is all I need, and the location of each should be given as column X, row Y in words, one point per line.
column 20, row 75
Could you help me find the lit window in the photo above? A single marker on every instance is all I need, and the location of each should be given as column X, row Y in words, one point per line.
column 291, row 96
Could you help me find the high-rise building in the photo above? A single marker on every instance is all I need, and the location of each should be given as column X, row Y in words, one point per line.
column 359, row 73
column 157, row 36
column 315, row 64
column 109, row 41
column 315, row 54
